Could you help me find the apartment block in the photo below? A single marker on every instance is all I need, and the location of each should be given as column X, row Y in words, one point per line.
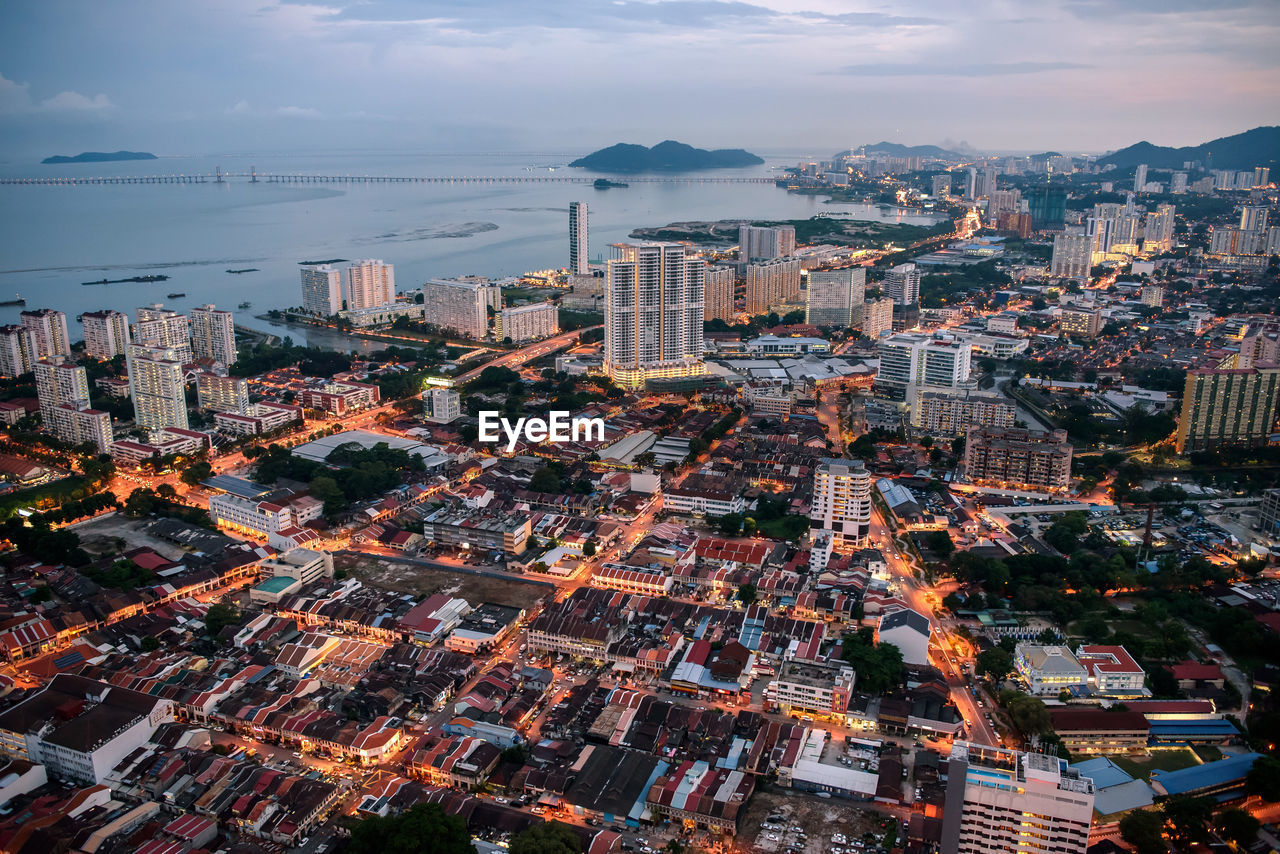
column 322, row 290
column 213, row 335
column 1080, row 322
column 339, row 398
column 953, row 413
column 835, row 297
column 106, row 333
column 50, row 330
column 18, row 350
column 461, row 305
column 527, row 322
column 1017, row 458
column 771, row 283
column 218, row 393
column 718, row 287
column 877, row 318
column 767, row 243
column 842, row 503
column 820, row 690
column 1235, row 406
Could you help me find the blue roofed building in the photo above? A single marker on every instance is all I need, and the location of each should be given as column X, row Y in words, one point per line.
column 1223, row 780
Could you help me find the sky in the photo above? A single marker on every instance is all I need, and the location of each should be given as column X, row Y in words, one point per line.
column 569, row 76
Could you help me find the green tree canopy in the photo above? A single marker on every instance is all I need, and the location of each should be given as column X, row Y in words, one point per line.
column 1144, row 830
column 878, row 666
column 550, row 837
column 422, row 827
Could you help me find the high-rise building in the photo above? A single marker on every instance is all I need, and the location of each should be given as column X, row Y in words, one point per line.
column 1072, row 256
column 50, row 330
column 834, row 297
column 1269, row 514
column 63, row 390
column 220, row 393
column 970, row 175
column 988, row 187
column 579, row 259
column 370, row 284
column 527, row 322
column 1140, row 177
column 653, row 314
column 18, row 350
column 322, row 290
column 1003, row 202
column 942, row 185
column 106, row 333
column 1178, row 185
column 1228, row 406
column 1102, row 235
column 877, row 317
column 952, row 412
column 1002, row 800
column 163, row 328
column 1017, row 458
column 841, row 503
column 1261, row 176
column 442, row 405
column 1252, row 218
column 765, row 243
column 213, row 335
column 155, row 384
column 718, row 292
column 902, row 284
column 909, row 360
column 772, row 282
column 1152, row 296
column 1157, row 231
column 1048, row 206
column 461, row 305
column 1080, row 322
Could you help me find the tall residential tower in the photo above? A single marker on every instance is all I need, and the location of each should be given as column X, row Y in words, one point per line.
column 579, row 260
column 653, row 313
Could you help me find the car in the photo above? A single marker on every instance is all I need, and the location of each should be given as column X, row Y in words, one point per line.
column 772, row 837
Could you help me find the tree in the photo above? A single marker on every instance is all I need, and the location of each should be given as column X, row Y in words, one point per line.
column 545, row 479
column 589, row 548
column 150, row 643
column 746, row 594
column 422, row 827
column 952, row 602
column 140, row 502
column 196, row 472
column 1144, row 830
column 1237, row 826
column 994, row 663
column 1029, row 714
column 220, row 616
column 939, row 542
column 1188, row 818
column 878, row 666
column 549, row 837
column 1263, row 779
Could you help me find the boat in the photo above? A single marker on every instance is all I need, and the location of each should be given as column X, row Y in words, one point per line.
column 246, row 305
column 176, row 296
column 245, row 270
column 17, row 300
column 158, row 277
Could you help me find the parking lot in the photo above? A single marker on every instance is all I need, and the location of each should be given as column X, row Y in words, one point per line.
column 788, row 822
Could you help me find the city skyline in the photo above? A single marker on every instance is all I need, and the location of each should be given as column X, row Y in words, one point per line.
column 1052, row 83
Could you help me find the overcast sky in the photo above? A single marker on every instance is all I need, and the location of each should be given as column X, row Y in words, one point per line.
column 179, row 77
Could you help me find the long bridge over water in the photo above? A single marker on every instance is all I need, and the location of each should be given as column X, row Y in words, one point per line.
column 255, row 177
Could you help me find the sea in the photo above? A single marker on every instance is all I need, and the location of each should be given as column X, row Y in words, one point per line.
column 53, row 238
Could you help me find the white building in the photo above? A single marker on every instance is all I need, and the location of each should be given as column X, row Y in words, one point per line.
column 952, row 412
column 1153, row 296
column 257, row 418
column 322, row 290
column 835, row 297
column 1003, row 800
column 527, row 322
column 213, row 335
column 1049, row 669
column 770, row 283
column 763, row 244
column 579, row 257
column 842, row 502
column 902, row 284
column 909, row 359
column 1072, row 256
column 1157, row 230
column 163, row 328
column 461, row 305
column 653, row 314
column 50, row 330
column 106, row 333
column 877, row 318
column 370, row 284
column 63, row 390
column 810, row 688
column 59, row 380
column 157, row 388
column 219, row 393
column 909, row 631
column 1140, row 177
column 1111, row 670
column 17, row 350
column 442, row 405
column 249, row 516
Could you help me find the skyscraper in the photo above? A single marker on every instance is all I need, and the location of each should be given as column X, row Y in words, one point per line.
column 322, row 290
column 50, row 330
column 213, row 335
column 461, row 304
column 1048, row 206
column 1157, row 231
column 1179, row 183
column 1140, row 177
column 834, row 296
column 653, row 313
column 902, row 284
column 766, row 243
column 718, row 290
column 17, row 350
column 908, row 359
column 841, row 503
column 1252, row 218
column 1072, row 256
column 106, row 333
column 164, row 328
column 970, row 175
column 877, row 317
column 942, row 185
column 155, row 384
column 1102, row 234
column 370, row 284
column 1235, row 406
column 579, row 259
column 63, row 390
column 771, row 282
column 1002, row 800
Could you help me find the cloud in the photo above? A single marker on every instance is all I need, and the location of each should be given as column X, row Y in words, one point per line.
column 974, row 69
column 16, row 98
column 76, row 101
column 244, row 108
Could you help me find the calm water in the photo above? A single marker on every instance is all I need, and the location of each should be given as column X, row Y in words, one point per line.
column 53, row 238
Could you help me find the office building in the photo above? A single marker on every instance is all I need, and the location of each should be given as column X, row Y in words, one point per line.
column 718, row 284
column 219, row 393
column 772, row 283
column 156, row 386
column 1235, row 406
column 810, row 688
column 106, row 333
column 942, row 185
column 841, row 503
column 877, row 317
column 902, row 284
column 1048, row 206
column 442, row 405
column 1252, row 218
column 164, row 328
column 952, row 413
column 461, row 305
column 1157, row 230
column 1003, row 800
column 909, row 359
column 1080, row 322
column 527, row 322
column 835, row 297
column 370, row 284
column 1017, row 458
column 763, row 244
column 1152, row 296
column 579, row 259
column 653, row 313
column 1140, row 178
column 322, row 290
column 50, row 330
column 253, row 516
column 213, row 335
column 17, row 350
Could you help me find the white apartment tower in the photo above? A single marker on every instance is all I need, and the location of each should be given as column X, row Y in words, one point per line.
column 322, row 290
column 218, row 393
column 63, row 389
column 106, row 333
column 442, row 405
column 17, row 350
column 841, row 503
column 1179, row 183
column 461, row 305
column 718, row 294
column 910, row 360
column 902, row 284
column 370, row 284
column 1157, row 231
column 50, row 330
column 765, row 243
column 163, row 328
column 877, row 318
column 970, row 175
column 835, row 297
column 213, row 334
column 155, row 384
column 1003, row 800
column 1140, row 177
column 579, row 259
column 1072, row 256
column 1252, row 218
column 653, row 313
column 527, row 322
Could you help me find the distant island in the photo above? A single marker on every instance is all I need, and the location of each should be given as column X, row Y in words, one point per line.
column 669, row 156
column 1257, row 147
column 605, row 183
column 101, row 157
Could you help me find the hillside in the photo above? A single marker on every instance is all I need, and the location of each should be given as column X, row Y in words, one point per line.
column 1257, row 147
column 100, row 157
column 669, row 156
column 897, row 149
